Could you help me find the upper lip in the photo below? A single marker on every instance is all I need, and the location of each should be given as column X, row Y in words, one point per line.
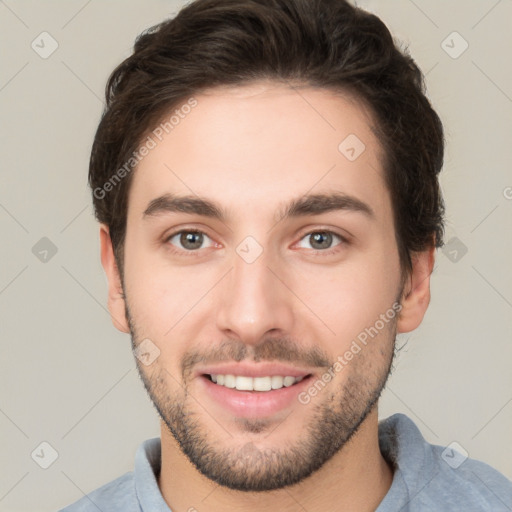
column 253, row 370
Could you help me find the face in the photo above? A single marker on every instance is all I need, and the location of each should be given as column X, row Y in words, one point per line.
column 262, row 275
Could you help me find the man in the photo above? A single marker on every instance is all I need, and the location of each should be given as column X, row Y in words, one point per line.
column 266, row 179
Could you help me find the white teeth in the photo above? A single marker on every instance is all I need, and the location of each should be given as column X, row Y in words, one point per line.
column 229, row 381
column 277, row 382
column 262, row 383
column 243, row 383
column 288, row 381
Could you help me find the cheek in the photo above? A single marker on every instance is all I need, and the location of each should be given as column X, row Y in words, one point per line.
column 163, row 300
column 352, row 296
column 158, row 294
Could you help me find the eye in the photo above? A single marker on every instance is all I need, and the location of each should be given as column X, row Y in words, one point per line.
column 190, row 240
column 322, row 241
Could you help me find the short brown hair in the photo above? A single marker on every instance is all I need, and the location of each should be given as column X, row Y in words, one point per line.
column 327, row 44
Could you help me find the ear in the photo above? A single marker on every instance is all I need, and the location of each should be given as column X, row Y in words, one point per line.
column 116, row 303
column 416, row 294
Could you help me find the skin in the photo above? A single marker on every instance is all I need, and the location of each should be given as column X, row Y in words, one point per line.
column 251, row 149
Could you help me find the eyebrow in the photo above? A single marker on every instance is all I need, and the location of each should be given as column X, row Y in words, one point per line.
column 309, row 204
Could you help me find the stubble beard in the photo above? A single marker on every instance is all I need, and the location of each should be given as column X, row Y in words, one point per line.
column 336, row 417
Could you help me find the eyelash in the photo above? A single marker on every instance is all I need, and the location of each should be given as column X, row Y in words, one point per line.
column 318, row 252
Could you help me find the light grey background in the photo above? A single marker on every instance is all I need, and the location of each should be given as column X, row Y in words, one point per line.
column 68, row 377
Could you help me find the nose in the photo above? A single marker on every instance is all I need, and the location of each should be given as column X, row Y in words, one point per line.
column 254, row 302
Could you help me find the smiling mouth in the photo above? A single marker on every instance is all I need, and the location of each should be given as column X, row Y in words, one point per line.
column 262, row 384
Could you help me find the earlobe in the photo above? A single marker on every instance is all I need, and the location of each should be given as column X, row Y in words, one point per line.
column 116, row 302
column 416, row 294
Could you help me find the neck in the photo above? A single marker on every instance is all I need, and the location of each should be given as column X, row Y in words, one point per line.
column 356, row 479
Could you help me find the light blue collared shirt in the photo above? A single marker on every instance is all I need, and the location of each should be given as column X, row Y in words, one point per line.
column 427, row 477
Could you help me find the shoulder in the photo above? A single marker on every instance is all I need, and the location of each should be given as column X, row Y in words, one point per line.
column 131, row 492
column 469, row 483
column 442, row 478
column 119, row 494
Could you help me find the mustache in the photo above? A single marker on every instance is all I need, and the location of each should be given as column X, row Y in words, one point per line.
column 272, row 349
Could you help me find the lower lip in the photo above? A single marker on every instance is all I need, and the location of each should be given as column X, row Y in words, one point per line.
column 252, row 404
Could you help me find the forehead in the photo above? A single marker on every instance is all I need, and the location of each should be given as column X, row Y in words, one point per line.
column 257, row 146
